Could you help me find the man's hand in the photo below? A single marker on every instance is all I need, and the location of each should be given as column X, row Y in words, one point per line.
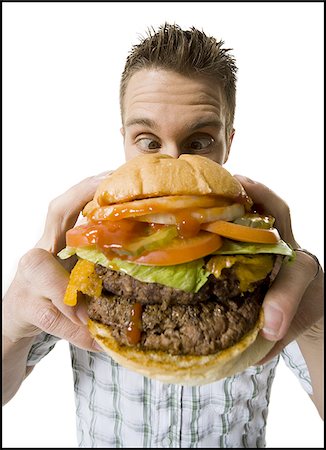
column 34, row 300
column 294, row 302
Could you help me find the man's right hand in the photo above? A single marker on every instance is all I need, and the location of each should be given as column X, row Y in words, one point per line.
column 34, row 300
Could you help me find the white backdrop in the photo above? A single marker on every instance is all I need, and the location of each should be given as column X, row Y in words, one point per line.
column 61, row 68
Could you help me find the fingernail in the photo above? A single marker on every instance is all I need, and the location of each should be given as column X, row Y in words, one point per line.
column 82, row 316
column 97, row 347
column 273, row 321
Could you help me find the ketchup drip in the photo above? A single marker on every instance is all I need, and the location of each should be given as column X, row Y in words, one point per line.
column 134, row 327
column 187, row 225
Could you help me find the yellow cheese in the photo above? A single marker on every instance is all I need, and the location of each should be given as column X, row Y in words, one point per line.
column 83, row 278
column 248, row 269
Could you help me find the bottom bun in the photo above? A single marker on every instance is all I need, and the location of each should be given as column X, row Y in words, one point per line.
column 185, row 369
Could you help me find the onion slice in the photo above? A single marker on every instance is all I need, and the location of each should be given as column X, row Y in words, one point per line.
column 156, row 205
column 201, row 215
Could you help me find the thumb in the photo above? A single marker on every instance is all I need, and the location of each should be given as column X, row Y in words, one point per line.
column 283, row 298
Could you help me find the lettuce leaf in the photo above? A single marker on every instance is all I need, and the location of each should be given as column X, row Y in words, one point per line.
column 230, row 247
column 189, row 277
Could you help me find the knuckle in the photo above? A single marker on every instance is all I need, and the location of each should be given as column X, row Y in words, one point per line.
column 55, row 209
column 316, row 330
column 32, row 260
column 47, row 318
column 75, row 334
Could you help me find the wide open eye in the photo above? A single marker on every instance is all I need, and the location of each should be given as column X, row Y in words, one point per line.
column 198, row 144
column 148, row 145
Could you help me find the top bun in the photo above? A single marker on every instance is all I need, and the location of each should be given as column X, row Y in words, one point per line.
column 157, row 175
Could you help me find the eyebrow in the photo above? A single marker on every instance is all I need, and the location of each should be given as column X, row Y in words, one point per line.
column 202, row 123
column 143, row 122
column 192, row 126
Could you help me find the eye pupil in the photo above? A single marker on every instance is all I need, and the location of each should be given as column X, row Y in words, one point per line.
column 152, row 145
column 201, row 143
column 196, row 145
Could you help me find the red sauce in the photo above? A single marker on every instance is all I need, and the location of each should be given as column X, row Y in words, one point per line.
column 187, row 225
column 134, row 328
column 109, row 235
column 244, row 200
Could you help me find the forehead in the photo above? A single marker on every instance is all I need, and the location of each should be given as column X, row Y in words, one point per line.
column 167, row 92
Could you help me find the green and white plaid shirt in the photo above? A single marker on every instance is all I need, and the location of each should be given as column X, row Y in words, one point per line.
column 117, row 408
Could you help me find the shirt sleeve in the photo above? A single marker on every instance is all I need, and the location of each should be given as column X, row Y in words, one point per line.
column 43, row 344
column 293, row 358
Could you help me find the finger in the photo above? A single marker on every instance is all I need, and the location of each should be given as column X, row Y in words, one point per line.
column 278, row 347
column 43, row 275
column 284, row 296
column 259, row 192
column 268, row 202
column 82, row 308
column 45, row 316
column 64, row 210
column 308, row 321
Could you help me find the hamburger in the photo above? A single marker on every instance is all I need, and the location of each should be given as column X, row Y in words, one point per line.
column 175, row 262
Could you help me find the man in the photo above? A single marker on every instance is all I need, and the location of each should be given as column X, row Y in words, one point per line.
column 177, row 96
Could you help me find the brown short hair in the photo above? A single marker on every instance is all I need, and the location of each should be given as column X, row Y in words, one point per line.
column 187, row 52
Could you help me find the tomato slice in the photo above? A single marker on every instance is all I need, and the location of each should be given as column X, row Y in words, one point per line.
column 106, row 233
column 182, row 250
column 110, row 236
column 242, row 233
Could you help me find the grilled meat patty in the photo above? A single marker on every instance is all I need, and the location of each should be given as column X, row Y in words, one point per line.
column 124, row 285
column 175, row 321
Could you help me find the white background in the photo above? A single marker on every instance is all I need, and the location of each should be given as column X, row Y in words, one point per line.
column 61, row 69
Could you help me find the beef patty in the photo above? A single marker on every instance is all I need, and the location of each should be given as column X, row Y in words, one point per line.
column 121, row 284
column 175, row 321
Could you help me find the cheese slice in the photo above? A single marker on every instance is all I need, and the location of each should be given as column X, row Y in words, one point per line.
column 83, row 278
column 248, row 269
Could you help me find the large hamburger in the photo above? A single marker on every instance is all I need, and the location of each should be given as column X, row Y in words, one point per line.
column 175, row 263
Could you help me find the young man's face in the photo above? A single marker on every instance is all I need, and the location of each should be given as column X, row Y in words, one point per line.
column 165, row 112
